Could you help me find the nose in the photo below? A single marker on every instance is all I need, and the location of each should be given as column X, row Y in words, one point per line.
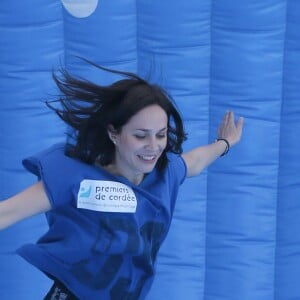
column 152, row 144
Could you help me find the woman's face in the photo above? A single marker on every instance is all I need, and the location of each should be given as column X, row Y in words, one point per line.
column 140, row 143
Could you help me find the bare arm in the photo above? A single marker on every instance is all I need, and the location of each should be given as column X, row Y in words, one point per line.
column 199, row 158
column 29, row 202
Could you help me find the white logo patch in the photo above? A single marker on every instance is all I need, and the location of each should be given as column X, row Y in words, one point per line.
column 106, row 196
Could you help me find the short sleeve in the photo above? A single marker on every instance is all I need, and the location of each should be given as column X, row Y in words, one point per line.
column 57, row 172
column 177, row 168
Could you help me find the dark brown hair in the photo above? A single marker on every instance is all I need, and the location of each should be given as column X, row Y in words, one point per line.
column 89, row 108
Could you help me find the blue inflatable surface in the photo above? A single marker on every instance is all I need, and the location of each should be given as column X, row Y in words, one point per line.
column 235, row 233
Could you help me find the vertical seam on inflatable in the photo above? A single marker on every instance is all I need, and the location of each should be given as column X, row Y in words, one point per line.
column 64, row 37
column 207, row 176
column 137, row 37
column 279, row 151
column 63, row 34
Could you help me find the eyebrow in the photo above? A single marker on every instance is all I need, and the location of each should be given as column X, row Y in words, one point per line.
column 147, row 130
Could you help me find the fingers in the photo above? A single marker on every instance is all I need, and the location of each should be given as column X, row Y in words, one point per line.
column 225, row 118
column 230, row 129
column 239, row 126
column 240, row 123
column 228, row 118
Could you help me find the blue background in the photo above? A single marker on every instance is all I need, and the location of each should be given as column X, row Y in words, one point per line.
column 235, row 233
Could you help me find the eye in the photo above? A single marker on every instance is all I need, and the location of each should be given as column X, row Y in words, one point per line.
column 139, row 136
column 161, row 136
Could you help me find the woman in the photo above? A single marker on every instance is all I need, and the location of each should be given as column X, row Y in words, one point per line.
column 109, row 193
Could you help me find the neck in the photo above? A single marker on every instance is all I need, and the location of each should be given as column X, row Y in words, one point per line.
column 135, row 179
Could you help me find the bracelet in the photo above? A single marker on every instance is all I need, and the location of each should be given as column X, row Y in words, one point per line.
column 227, row 146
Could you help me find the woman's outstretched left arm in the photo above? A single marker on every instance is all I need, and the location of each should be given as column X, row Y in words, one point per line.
column 229, row 133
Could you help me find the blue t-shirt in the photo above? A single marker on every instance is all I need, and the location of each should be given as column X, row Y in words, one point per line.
column 104, row 232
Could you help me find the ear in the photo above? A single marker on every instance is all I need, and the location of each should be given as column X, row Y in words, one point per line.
column 112, row 133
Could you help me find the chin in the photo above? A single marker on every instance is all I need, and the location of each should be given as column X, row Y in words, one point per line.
column 148, row 169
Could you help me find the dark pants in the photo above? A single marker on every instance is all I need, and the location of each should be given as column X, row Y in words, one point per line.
column 59, row 292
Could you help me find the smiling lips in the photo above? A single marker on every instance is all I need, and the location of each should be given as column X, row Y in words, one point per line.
column 148, row 158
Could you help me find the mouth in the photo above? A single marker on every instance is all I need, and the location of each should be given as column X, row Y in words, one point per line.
column 148, row 158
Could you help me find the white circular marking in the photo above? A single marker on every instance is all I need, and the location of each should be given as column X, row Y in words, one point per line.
column 80, row 8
